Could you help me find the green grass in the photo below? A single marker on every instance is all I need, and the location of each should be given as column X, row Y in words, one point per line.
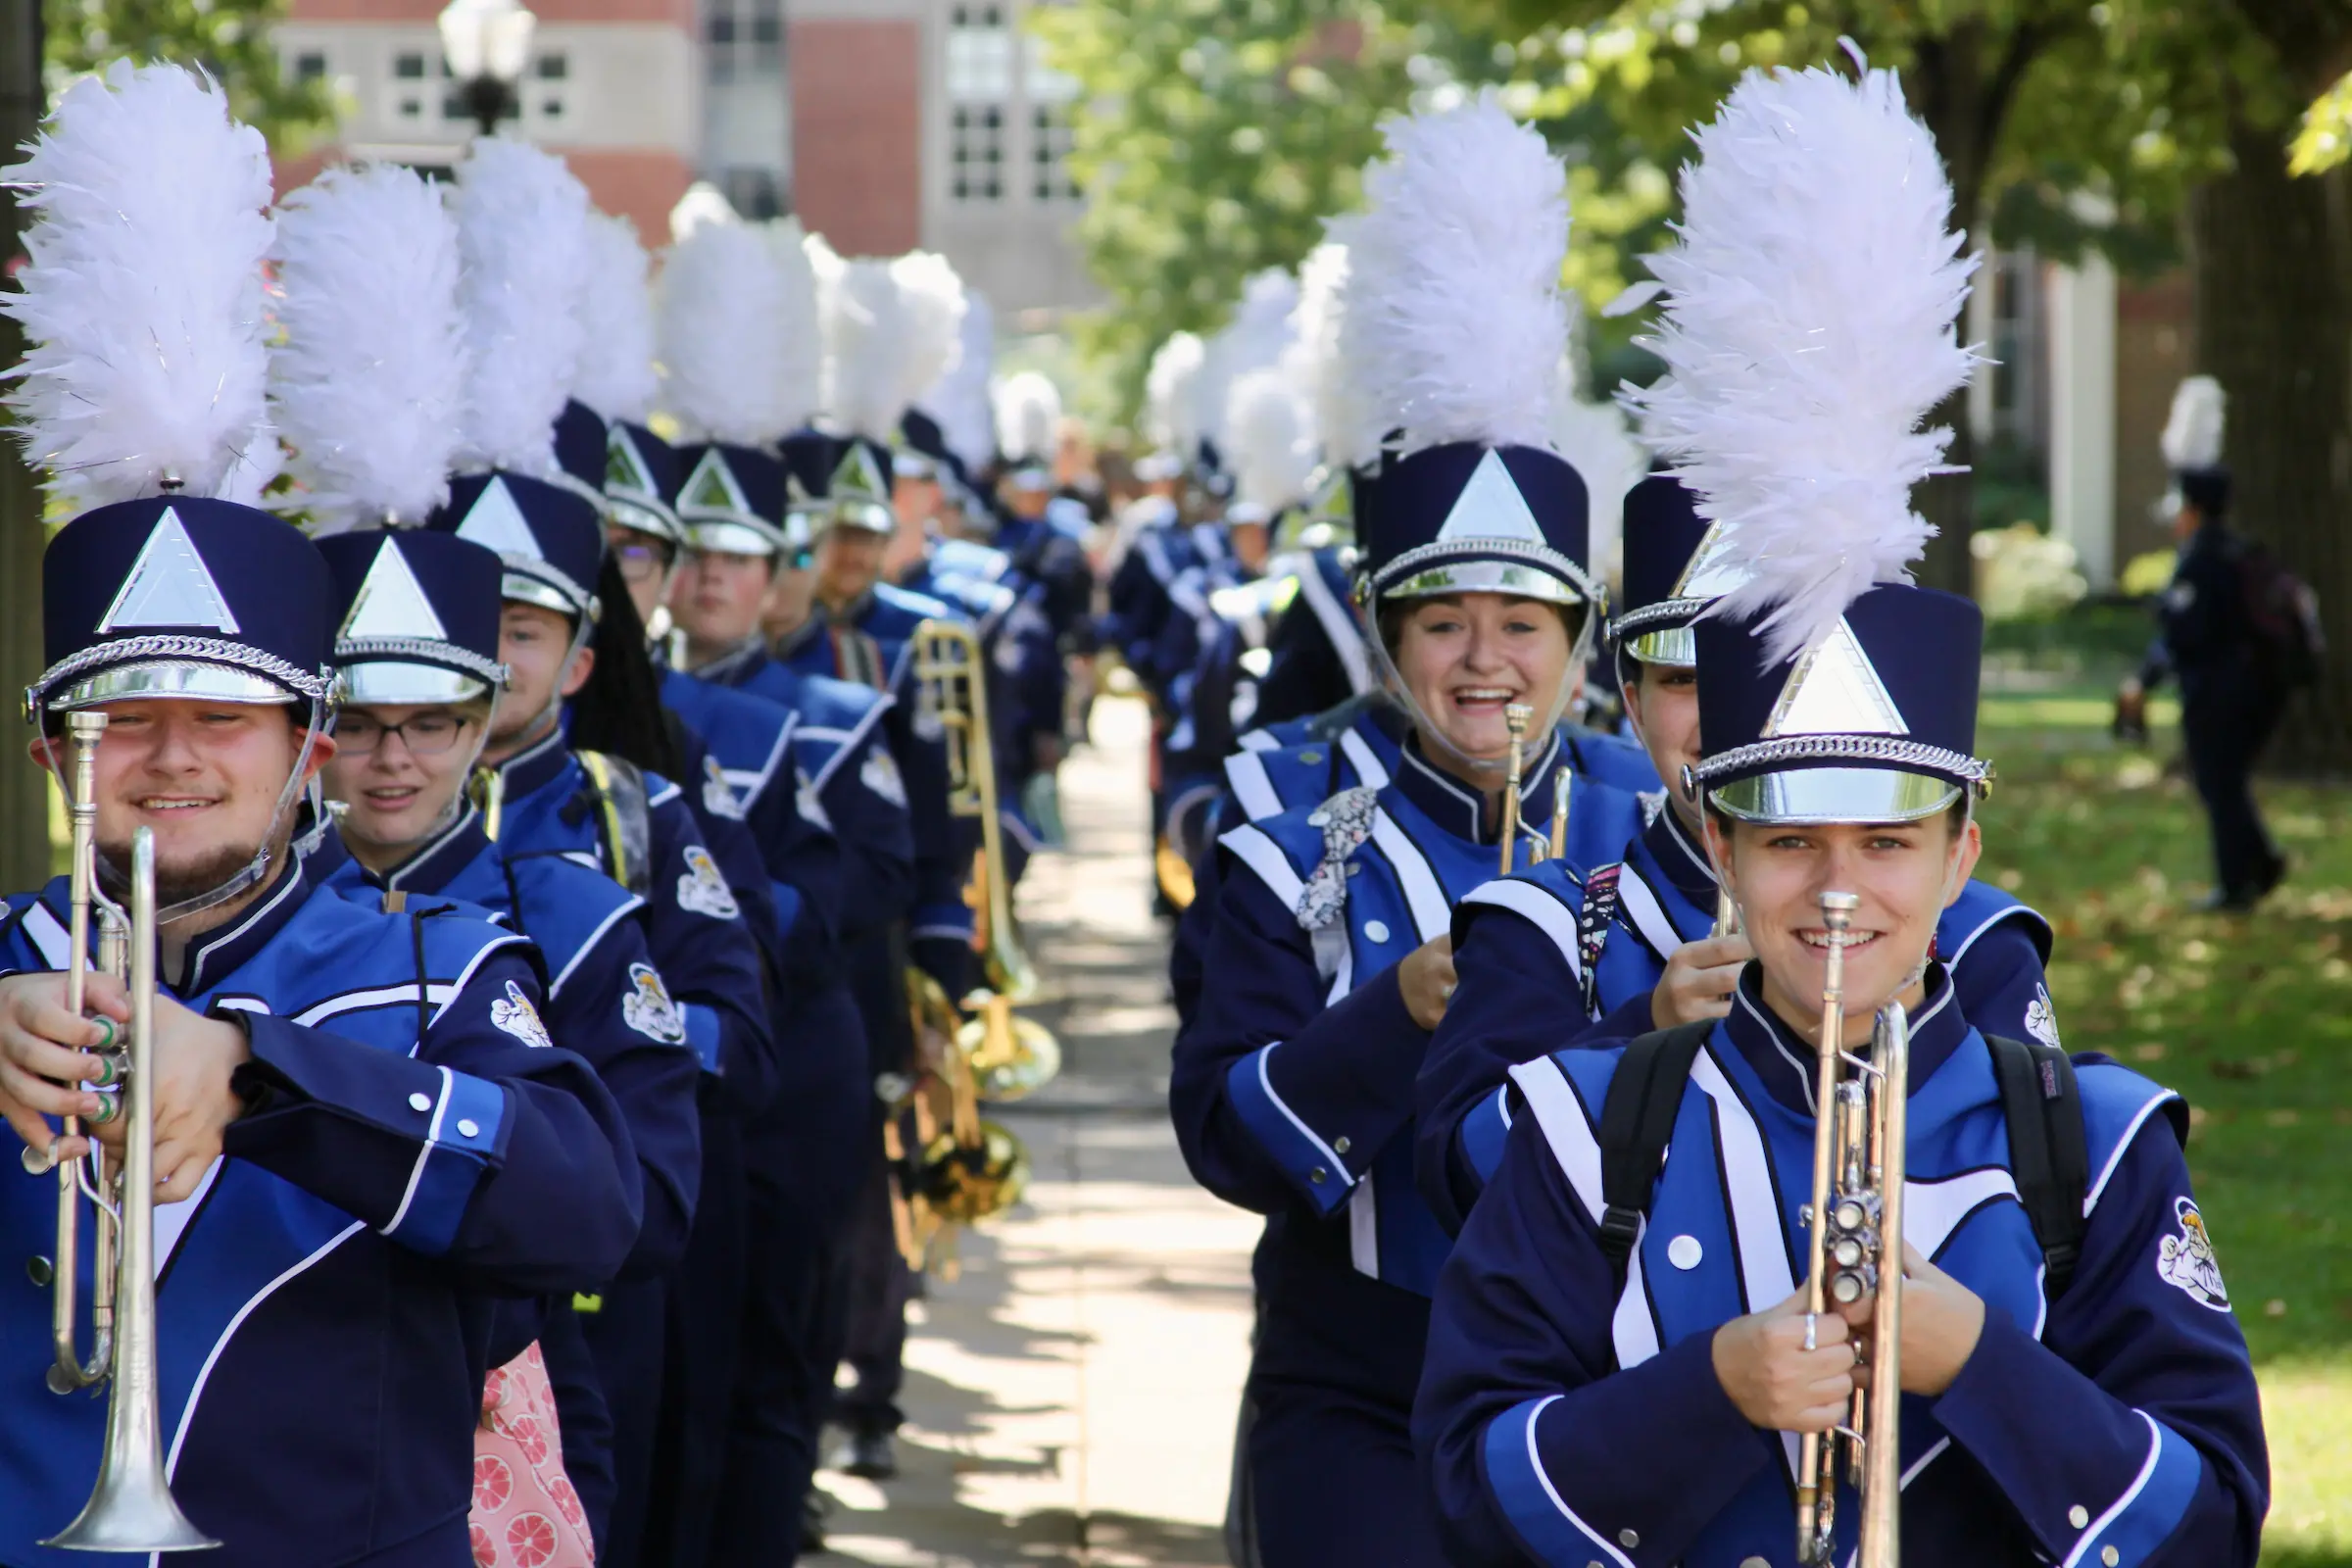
column 2249, row 1016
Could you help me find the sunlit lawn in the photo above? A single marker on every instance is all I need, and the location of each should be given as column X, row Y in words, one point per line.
column 2250, row 1017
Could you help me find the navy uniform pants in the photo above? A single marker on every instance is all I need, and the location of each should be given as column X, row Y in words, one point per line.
column 625, row 1336
column 2226, row 720
column 878, row 1285
column 806, row 1165
column 1332, row 1482
column 701, row 1334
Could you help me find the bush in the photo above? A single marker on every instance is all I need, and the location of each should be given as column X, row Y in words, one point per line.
column 2023, row 574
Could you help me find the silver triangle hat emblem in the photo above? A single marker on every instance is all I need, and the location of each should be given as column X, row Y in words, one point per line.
column 711, row 486
column 1709, row 575
column 625, row 465
column 1490, row 507
column 168, row 585
column 391, row 602
column 1835, row 690
column 495, row 521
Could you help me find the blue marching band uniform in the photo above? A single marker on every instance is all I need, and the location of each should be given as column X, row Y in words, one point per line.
column 1471, row 1346
column 600, row 1058
column 587, row 1062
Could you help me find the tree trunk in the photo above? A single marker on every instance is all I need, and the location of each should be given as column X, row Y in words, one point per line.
column 2272, row 323
column 25, row 852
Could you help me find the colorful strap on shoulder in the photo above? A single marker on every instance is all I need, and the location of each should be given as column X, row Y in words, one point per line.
column 1593, row 922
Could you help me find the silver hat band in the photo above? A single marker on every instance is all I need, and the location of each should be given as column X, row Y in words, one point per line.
column 733, row 533
column 170, row 665
column 1822, row 796
column 394, row 683
column 425, row 651
column 1485, row 565
column 641, row 512
column 1681, row 612
column 532, row 580
column 866, row 516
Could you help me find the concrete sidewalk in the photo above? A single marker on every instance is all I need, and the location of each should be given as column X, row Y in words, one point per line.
column 1071, row 1396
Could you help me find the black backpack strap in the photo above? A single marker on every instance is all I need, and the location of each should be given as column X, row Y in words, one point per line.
column 2050, row 1153
column 1637, row 1121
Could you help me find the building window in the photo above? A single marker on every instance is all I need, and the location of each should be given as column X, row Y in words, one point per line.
column 409, row 68
column 310, row 65
column 980, row 91
column 553, row 68
column 1049, row 143
column 977, row 158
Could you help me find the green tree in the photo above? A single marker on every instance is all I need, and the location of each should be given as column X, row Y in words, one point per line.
column 229, row 38
column 1212, row 137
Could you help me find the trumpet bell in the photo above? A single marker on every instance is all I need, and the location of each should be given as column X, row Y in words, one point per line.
column 1010, row 1056
column 131, row 1512
column 965, row 1186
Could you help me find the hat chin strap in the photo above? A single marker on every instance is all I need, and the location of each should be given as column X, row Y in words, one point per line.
column 1394, row 680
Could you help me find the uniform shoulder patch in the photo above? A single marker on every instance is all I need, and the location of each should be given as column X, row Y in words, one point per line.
column 805, row 801
column 649, row 1009
column 2041, row 1017
column 719, row 796
column 703, row 890
column 515, row 1013
column 2185, row 1260
column 880, row 773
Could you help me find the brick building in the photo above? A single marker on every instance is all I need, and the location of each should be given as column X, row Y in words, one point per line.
column 613, row 86
column 885, row 125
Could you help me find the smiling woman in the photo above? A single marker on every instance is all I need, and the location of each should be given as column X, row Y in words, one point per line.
column 1465, row 657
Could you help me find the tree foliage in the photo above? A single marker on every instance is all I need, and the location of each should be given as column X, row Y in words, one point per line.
column 229, row 38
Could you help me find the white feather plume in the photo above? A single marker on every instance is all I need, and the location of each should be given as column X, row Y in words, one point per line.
column 1807, row 334
column 1267, row 440
column 1346, row 426
column 367, row 379
column 1594, row 438
column 723, row 325
column 142, row 297
column 1170, row 417
column 892, row 328
column 2194, row 431
column 801, row 367
column 616, row 375
column 703, row 203
column 1028, row 418
column 961, row 402
column 523, row 233
column 1454, row 279
column 1256, row 337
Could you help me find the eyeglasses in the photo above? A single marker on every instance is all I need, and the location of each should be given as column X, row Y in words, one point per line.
column 641, row 560
column 425, row 735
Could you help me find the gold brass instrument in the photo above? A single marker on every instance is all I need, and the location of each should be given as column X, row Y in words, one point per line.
column 1559, row 815
column 1516, row 717
column 130, row 1509
column 1854, row 1250
column 951, row 1167
column 1009, row 1057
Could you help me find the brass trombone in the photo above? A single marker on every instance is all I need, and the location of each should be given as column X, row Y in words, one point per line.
column 1517, row 716
column 130, row 1509
column 1855, row 1224
column 1009, row 1057
column 950, row 1166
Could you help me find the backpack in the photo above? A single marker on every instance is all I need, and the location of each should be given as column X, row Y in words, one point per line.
column 2284, row 614
column 2048, row 1155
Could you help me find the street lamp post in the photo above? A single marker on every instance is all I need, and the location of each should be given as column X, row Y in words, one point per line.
column 488, row 46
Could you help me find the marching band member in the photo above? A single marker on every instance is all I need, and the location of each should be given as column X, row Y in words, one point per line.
column 1292, row 1086
column 1636, row 939
column 521, row 288
column 1619, row 1355
column 363, row 391
column 365, row 1134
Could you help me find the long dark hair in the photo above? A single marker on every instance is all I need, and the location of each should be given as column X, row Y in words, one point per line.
column 620, row 710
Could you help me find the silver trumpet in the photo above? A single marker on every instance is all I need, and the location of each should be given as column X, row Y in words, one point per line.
column 1855, row 1251
column 130, row 1509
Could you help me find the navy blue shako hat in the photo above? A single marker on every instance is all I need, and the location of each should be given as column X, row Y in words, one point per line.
column 732, row 500
column 580, row 440
column 548, row 539
column 417, row 616
column 1876, row 722
column 642, row 480
column 181, row 596
column 1674, row 567
column 859, row 489
column 1469, row 518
